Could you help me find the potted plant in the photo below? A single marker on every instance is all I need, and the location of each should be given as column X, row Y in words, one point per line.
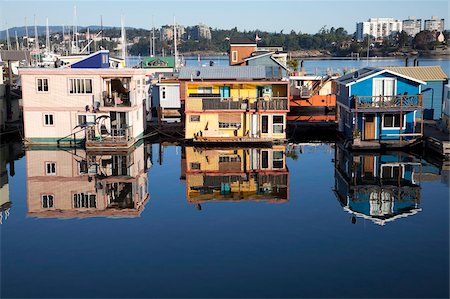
column 356, row 136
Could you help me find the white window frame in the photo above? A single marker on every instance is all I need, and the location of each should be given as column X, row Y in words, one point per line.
column 375, row 96
column 80, row 198
column 274, row 160
column 391, row 169
column 46, row 168
column 234, row 56
column 201, row 89
column 44, row 119
column 393, row 128
column 37, row 85
column 52, row 198
column 86, row 116
column 194, row 116
column 77, row 88
column 278, row 124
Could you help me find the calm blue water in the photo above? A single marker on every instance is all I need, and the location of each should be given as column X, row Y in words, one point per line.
column 321, row 66
column 313, row 221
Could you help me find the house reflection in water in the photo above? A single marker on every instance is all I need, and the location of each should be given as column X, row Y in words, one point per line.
column 379, row 187
column 238, row 174
column 76, row 183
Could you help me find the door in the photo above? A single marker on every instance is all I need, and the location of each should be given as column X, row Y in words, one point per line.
column 254, row 125
column 224, row 91
column 369, row 127
column 265, row 124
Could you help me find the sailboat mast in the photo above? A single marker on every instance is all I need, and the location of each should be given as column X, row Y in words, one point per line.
column 17, row 42
column 8, row 43
column 26, row 33
column 175, row 43
column 47, row 36
column 36, row 36
column 124, row 41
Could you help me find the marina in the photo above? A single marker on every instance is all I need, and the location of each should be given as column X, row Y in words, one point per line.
column 179, row 160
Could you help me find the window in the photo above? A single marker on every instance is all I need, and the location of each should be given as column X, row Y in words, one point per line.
column 195, row 166
column 384, row 87
column 224, row 159
column 234, row 56
column 264, row 159
column 392, row 121
column 265, row 124
column 163, row 93
column 80, row 86
column 205, row 89
column 50, row 168
column 47, row 201
column 391, row 172
column 278, row 124
column 42, row 85
column 84, row 200
column 227, row 120
column 448, row 94
column 195, row 118
column 86, row 118
column 278, row 159
column 229, row 125
column 48, row 119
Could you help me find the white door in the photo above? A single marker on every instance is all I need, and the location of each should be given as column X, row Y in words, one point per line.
column 254, row 129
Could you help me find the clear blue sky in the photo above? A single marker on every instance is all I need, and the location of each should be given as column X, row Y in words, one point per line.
column 297, row 15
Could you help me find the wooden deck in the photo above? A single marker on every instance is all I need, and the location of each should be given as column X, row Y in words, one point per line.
column 383, row 144
column 219, row 140
column 436, row 140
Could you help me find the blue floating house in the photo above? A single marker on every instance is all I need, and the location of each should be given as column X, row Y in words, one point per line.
column 378, row 108
column 378, row 187
column 433, row 94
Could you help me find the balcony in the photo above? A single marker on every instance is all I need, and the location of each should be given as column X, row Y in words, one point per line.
column 394, row 103
column 240, row 104
column 116, row 138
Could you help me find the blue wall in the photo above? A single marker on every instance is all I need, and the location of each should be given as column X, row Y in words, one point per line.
column 95, row 61
column 430, row 102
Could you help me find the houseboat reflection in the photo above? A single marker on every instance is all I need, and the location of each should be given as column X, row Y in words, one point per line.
column 75, row 183
column 236, row 174
column 379, row 187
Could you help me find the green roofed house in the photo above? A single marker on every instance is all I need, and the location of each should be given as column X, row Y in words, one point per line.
column 162, row 64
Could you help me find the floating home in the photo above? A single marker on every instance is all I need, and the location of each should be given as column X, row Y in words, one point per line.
column 165, row 98
column 236, row 175
column 96, row 184
column 378, row 108
column 234, row 104
column 312, row 99
column 86, row 102
column 433, row 94
column 378, row 187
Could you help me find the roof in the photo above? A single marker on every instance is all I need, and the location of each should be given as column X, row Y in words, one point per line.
column 369, row 72
column 242, row 40
column 423, row 73
column 256, row 55
column 14, row 55
column 224, row 72
column 92, row 60
column 158, row 62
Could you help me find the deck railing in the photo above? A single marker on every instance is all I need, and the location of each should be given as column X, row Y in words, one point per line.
column 115, row 136
column 272, row 103
column 388, row 102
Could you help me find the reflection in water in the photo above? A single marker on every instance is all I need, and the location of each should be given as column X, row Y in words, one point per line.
column 379, row 187
column 244, row 174
column 8, row 154
column 76, row 183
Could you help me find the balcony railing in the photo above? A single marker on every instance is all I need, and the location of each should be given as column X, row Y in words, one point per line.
column 272, row 103
column 399, row 102
column 115, row 136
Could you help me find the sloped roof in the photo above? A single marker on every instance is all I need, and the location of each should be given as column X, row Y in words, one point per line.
column 353, row 77
column 242, row 40
column 224, row 72
column 158, row 62
column 368, row 72
column 15, row 55
column 423, row 73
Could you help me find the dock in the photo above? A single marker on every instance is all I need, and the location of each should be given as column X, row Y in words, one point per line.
column 436, row 140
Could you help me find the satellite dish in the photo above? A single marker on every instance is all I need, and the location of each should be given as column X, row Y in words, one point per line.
column 198, row 73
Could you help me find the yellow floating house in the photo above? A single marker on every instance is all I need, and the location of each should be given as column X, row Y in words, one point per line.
column 228, row 104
